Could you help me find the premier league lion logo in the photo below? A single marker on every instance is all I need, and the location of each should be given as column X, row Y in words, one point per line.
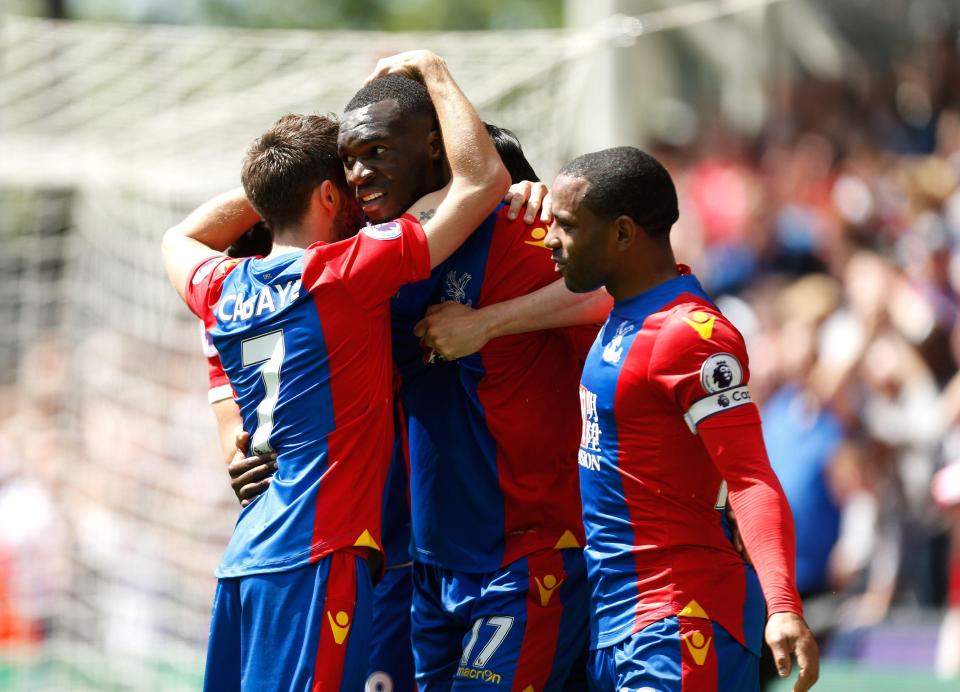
column 719, row 372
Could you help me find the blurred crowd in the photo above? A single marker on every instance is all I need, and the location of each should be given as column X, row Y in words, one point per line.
column 833, row 242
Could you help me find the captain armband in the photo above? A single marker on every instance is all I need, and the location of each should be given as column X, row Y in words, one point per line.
column 716, row 403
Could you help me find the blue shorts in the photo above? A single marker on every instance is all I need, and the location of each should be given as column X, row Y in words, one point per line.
column 308, row 628
column 391, row 656
column 673, row 655
column 522, row 626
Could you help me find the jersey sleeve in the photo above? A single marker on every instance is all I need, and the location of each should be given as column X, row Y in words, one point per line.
column 219, row 384
column 204, row 284
column 519, row 262
column 700, row 363
column 373, row 264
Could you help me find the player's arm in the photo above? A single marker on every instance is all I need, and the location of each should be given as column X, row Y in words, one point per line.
column 705, row 372
column 205, row 233
column 766, row 528
column 478, row 178
column 454, row 330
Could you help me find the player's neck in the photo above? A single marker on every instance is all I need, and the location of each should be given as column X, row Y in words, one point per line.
column 643, row 270
column 291, row 240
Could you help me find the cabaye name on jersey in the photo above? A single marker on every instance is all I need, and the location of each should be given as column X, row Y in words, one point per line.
column 236, row 306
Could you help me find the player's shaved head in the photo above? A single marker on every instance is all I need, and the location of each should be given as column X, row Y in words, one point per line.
column 411, row 96
column 283, row 166
column 625, row 181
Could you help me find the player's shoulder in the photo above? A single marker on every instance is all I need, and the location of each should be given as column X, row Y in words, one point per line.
column 215, row 268
column 693, row 323
column 695, row 336
column 531, row 234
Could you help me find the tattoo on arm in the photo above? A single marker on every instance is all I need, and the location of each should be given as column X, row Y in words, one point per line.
column 427, row 215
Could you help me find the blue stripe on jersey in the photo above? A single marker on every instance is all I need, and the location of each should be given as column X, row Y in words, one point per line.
column 274, row 532
column 395, row 508
column 457, row 510
column 611, row 566
column 601, row 489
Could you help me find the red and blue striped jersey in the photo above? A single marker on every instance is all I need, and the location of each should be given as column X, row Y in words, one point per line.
column 395, row 522
column 665, row 365
column 305, row 341
column 493, row 436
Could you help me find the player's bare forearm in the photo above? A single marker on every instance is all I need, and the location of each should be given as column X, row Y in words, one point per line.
column 219, row 221
column 479, row 179
column 206, row 232
column 229, row 425
column 550, row 307
column 455, row 331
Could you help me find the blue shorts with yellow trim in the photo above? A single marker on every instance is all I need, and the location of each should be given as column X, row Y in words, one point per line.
column 390, row 667
column 308, row 628
column 519, row 628
column 676, row 654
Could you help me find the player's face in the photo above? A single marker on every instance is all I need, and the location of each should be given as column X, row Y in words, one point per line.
column 582, row 242
column 387, row 157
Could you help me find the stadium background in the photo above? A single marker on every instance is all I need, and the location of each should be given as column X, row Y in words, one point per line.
column 816, row 146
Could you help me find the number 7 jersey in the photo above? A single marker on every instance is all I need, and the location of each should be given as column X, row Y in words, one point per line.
column 305, row 341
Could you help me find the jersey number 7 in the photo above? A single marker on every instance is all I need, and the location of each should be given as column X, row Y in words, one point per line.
column 267, row 349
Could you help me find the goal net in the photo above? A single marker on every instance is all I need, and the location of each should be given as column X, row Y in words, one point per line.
column 114, row 506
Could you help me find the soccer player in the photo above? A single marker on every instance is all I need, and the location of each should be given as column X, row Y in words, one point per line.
column 390, row 664
column 499, row 580
column 668, row 427
column 304, row 338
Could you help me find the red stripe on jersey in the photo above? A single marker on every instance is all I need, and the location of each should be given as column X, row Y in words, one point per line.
column 529, row 397
column 353, row 437
column 544, row 612
column 698, row 655
column 339, row 605
column 669, row 504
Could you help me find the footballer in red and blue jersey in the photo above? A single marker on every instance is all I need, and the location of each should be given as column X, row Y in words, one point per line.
column 665, row 363
column 668, row 430
column 304, row 339
column 390, row 662
column 496, row 526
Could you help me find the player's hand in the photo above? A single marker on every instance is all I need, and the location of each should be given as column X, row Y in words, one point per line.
column 250, row 476
column 412, row 63
column 787, row 634
column 452, row 330
column 535, row 196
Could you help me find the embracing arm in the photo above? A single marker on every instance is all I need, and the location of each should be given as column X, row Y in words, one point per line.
column 205, row 233
column 455, row 331
column 479, row 179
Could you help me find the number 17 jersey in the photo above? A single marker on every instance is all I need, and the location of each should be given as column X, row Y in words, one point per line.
column 305, row 340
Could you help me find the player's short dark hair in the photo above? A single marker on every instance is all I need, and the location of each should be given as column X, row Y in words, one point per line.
column 256, row 241
column 283, row 166
column 411, row 96
column 511, row 153
column 624, row 181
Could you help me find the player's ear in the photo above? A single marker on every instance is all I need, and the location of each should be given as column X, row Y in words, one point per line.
column 626, row 230
column 435, row 144
column 328, row 195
